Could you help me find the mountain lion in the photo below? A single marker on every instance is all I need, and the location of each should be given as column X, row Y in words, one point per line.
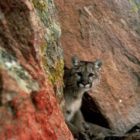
column 79, row 79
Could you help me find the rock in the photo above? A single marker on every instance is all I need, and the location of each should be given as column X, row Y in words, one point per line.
column 135, row 129
column 108, row 30
column 31, row 72
column 127, row 137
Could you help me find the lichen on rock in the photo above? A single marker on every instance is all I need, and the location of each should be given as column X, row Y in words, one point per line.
column 30, row 54
column 52, row 54
column 16, row 71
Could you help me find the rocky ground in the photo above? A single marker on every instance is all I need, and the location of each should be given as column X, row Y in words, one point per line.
column 99, row 125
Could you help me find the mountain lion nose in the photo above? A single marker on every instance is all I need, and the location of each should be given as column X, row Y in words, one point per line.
column 84, row 83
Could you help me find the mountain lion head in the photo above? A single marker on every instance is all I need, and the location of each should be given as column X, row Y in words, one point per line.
column 84, row 73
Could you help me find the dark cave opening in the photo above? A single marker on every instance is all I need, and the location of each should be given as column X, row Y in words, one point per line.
column 92, row 112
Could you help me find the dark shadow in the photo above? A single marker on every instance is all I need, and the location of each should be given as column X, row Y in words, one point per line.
column 1, row 88
column 92, row 112
column 135, row 129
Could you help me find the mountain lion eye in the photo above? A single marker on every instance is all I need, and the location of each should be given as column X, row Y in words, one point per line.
column 91, row 75
column 79, row 74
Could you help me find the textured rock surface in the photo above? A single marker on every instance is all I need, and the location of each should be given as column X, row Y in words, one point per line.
column 109, row 30
column 31, row 67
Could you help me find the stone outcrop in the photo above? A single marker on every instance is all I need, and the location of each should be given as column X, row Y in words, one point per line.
column 31, row 65
column 109, row 30
column 31, row 70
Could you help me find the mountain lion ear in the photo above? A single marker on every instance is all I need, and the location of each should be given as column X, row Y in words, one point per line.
column 75, row 61
column 98, row 64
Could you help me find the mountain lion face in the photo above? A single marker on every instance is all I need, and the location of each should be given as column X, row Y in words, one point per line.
column 84, row 73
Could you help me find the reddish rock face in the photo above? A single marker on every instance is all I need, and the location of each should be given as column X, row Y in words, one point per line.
column 109, row 30
column 28, row 106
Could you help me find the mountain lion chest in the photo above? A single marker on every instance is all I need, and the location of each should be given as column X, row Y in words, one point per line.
column 72, row 108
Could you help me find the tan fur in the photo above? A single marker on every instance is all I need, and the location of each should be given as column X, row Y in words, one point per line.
column 78, row 80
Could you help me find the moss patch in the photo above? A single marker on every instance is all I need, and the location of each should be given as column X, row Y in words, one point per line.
column 135, row 6
column 40, row 4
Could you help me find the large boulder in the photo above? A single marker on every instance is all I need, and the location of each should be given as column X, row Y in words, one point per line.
column 31, row 72
column 109, row 30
